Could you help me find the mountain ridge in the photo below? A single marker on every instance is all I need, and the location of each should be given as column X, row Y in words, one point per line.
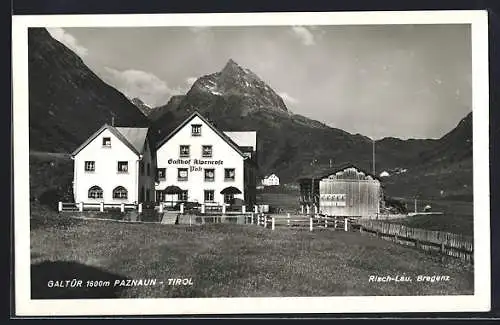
column 68, row 102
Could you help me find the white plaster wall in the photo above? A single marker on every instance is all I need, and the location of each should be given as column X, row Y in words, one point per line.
column 271, row 180
column 105, row 174
column 148, row 181
column 196, row 184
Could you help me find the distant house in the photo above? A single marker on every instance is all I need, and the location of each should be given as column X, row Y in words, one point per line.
column 271, row 180
column 115, row 165
column 385, row 174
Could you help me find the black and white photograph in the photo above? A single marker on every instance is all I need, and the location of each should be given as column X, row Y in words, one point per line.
column 168, row 164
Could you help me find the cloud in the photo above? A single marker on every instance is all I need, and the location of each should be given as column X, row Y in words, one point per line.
column 144, row 85
column 67, row 39
column 288, row 99
column 304, row 34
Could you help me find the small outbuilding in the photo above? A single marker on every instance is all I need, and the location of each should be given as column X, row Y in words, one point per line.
column 343, row 191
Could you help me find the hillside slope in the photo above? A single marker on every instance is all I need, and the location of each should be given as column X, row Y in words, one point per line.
column 67, row 101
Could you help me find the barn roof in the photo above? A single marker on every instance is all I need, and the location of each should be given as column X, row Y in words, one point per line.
column 324, row 172
column 133, row 138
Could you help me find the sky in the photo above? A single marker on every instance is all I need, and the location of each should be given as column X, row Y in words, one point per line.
column 405, row 81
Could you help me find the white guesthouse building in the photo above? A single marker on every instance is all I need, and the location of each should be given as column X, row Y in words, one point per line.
column 271, row 180
column 209, row 166
column 115, row 165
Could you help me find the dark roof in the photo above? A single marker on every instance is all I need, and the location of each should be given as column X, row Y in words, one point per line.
column 321, row 173
column 131, row 137
column 187, row 120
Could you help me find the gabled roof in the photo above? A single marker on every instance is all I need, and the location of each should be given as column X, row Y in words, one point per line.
column 243, row 138
column 226, row 138
column 131, row 137
column 325, row 172
column 135, row 136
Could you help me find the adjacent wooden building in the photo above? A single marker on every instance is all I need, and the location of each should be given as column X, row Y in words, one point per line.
column 343, row 191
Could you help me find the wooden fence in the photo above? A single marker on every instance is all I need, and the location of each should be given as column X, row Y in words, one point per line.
column 451, row 244
column 303, row 221
column 97, row 206
column 203, row 209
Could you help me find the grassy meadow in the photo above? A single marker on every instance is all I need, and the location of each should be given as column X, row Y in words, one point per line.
column 225, row 260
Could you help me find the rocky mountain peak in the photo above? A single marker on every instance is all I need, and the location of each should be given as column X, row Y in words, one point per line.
column 237, row 82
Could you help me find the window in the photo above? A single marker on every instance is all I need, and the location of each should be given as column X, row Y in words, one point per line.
column 209, row 175
column 229, row 198
column 229, row 174
column 206, row 151
column 148, row 170
column 184, row 151
column 182, row 174
column 147, row 195
column 106, row 142
column 196, row 129
column 95, row 192
column 183, row 196
column 160, row 196
column 162, row 174
column 120, row 192
column 141, row 164
column 90, row 166
column 209, row 195
column 123, row 166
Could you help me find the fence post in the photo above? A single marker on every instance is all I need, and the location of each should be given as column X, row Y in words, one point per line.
column 346, row 224
column 190, row 220
column 161, row 207
column 59, row 206
column 315, row 209
column 182, row 208
column 223, row 208
column 265, row 221
column 203, row 208
column 122, row 207
column 335, row 222
column 255, row 209
column 80, row 207
column 301, row 209
column 101, row 206
column 139, row 208
column 326, row 222
column 272, row 224
column 243, row 209
column 288, row 219
column 308, row 209
column 310, row 224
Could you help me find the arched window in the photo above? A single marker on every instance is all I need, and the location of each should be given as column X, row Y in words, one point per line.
column 95, row 192
column 120, row 192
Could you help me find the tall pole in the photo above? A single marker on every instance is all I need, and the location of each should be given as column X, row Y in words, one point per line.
column 373, row 155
